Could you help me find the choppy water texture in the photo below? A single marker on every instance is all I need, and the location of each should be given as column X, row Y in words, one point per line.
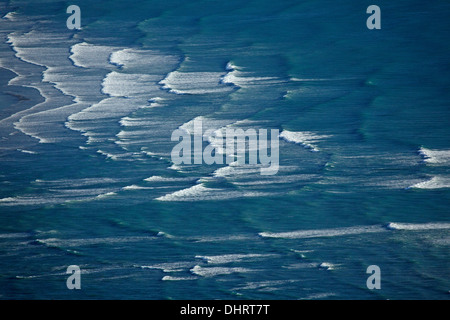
column 86, row 176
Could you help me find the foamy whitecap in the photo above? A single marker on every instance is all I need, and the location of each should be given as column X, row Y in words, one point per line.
column 12, row 16
column 436, row 182
column 110, row 108
column 27, row 151
column 227, row 258
column 327, row 266
column 216, row 271
column 337, row 232
column 209, row 125
column 172, row 278
column 167, row 179
column 303, row 234
column 43, row 121
column 105, row 195
column 189, row 194
column 307, row 139
column 265, row 285
column 315, row 296
column 194, row 83
column 175, row 168
column 13, row 235
column 144, row 61
column 135, row 122
column 58, row 242
column 270, row 180
column 224, row 238
column 239, row 78
column 132, row 86
column 88, row 55
column 200, row 192
column 233, row 171
column 418, row 226
column 108, row 155
column 136, row 187
column 73, row 183
column 170, row 267
column 435, row 157
column 118, row 84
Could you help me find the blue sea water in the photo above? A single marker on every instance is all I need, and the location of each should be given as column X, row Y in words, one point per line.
column 86, row 176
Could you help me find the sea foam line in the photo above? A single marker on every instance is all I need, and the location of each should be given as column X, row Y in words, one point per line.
column 436, row 182
column 436, row 157
column 305, row 234
column 307, row 139
column 227, row 258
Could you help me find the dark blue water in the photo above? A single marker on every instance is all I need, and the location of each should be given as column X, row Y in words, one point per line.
column 87, row 179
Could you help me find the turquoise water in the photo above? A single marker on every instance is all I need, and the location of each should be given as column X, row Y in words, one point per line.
column 86, row 176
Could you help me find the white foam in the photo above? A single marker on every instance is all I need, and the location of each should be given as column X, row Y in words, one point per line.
column 171, row 278
column 42, row 120
column 303, row 234
column 216, row 271
column 131, row 122
column 240, row 78
column 418, row 226
column 194, row 83
column 136, row 187
column 12, row 16
column 327, row 266
column 175, row 168
column 72, row 183
column 441, row 242
column 87, row 55
column 208, row 124
column 197, row 191
column 265, row 285
column 118, row 84
column 56, row 196
column 235, row 171
column 227, row 258
column 436, row 182
column 230, row 171
column 221, row 238
column 167, row 179
column 134, row 86
column 319, row 79
column 301, row 265
column 105, row 195
column 27, row 151
column 81, row 84
column 13, row 235
column 133, row 187
column 144, row 61
column 435, row 157
column 307, row 139
column 57, row 242
column 110, row 108
column 269, row 180
column 201, row 193
column 231, row 66
column 24, row 201
column 108, row 155
column 125, row 135
column 319, row 296
column 28, row 47
column 170, row 266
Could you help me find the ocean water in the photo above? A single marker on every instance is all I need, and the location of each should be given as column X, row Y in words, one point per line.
column 86, row 176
